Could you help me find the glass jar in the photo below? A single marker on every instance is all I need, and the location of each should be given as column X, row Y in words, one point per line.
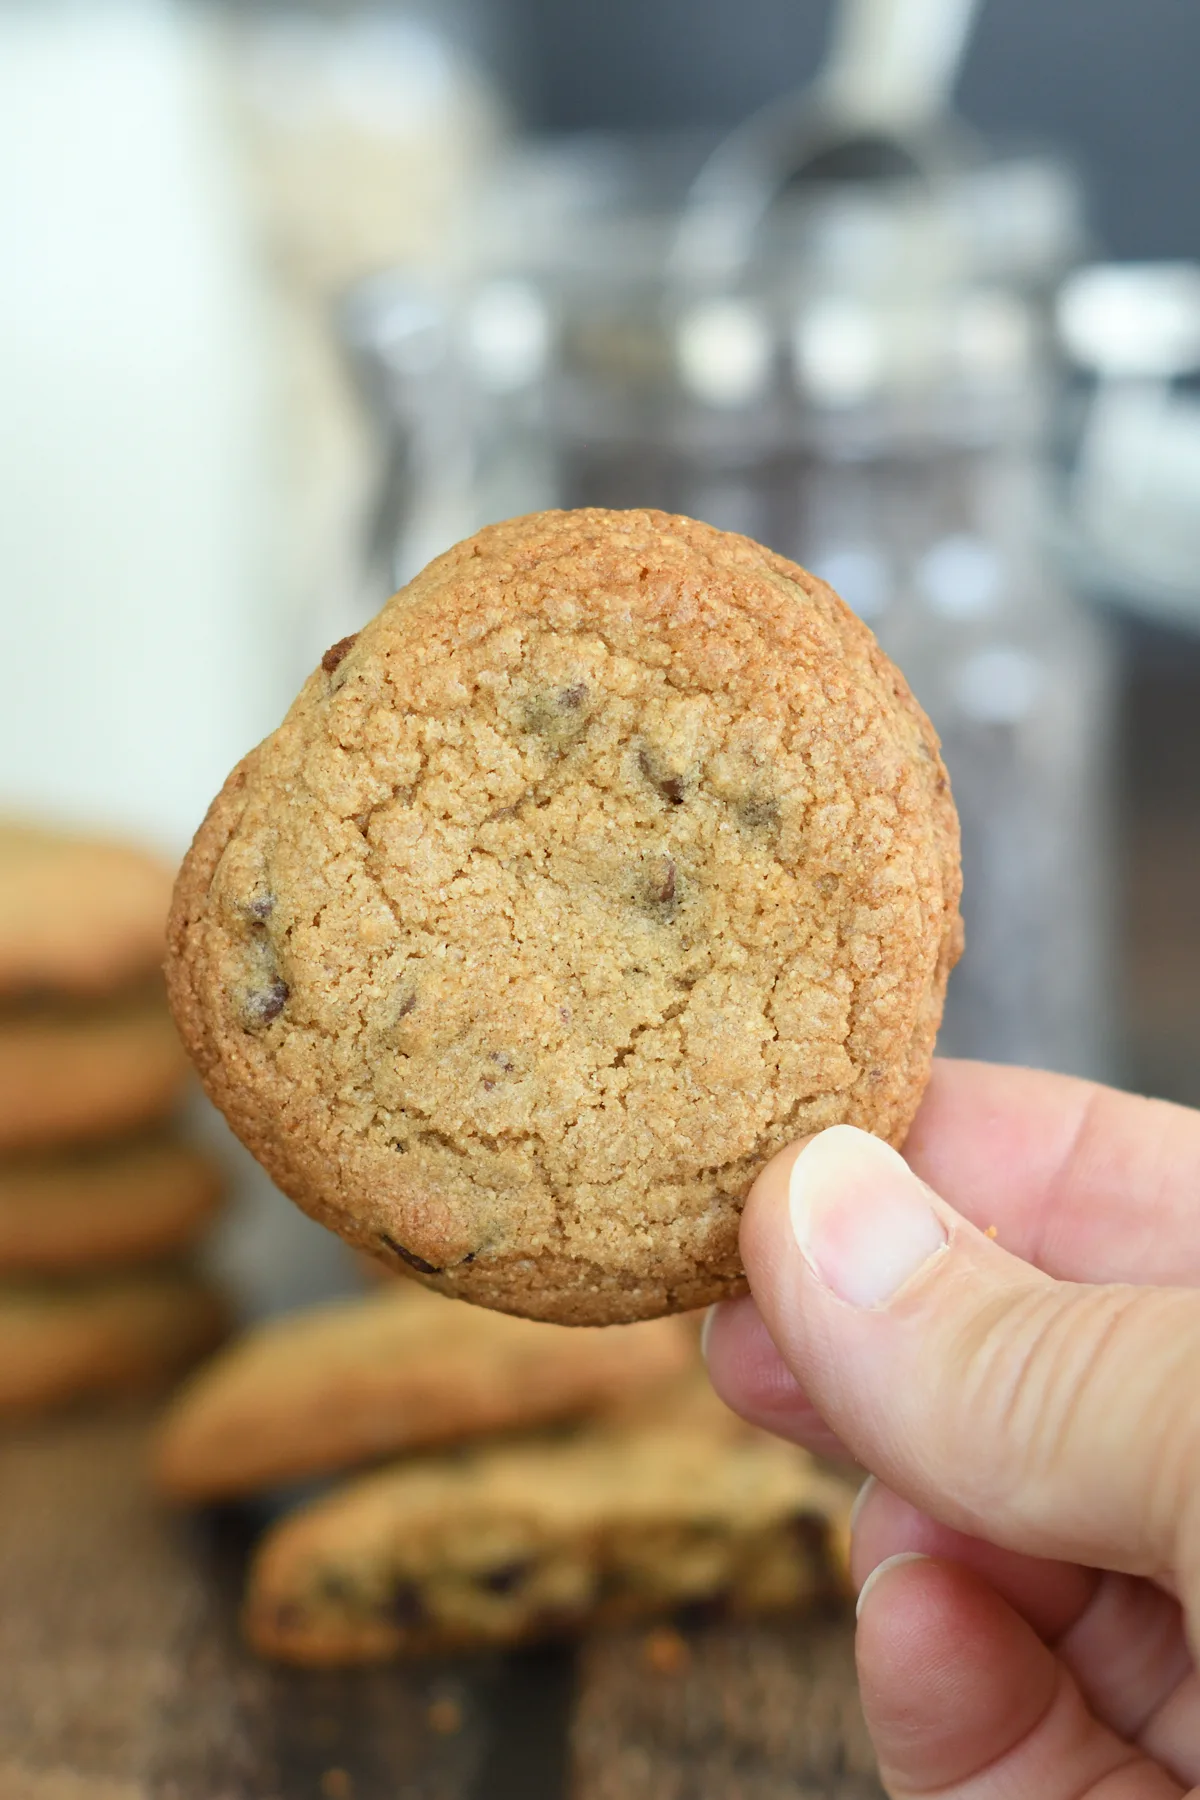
column 867, row 393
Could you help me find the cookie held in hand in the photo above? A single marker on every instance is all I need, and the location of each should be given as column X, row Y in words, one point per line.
column 609, row 858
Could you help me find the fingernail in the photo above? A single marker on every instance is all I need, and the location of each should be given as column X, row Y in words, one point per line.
column 860, row 1500
column 706, row 1329
column 885, row 1568
column 860, row 1216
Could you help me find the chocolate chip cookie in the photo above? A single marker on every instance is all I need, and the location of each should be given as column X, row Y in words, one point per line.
column 123, row 1203
column 78, row 915
column 609, row 858
column 534, row 1540
column 357, row 1380
column 107, row 1336
column 74, row 1073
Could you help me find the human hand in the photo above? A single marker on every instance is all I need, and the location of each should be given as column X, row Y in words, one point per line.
column 1033, row 1426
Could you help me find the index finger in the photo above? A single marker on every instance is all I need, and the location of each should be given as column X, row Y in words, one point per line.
column 1085, row 1182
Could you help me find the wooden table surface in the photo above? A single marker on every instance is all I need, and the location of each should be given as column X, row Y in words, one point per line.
column 121, row 1673
column 122, row 1678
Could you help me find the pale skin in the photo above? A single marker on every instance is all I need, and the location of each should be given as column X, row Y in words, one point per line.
column 1004, row 1329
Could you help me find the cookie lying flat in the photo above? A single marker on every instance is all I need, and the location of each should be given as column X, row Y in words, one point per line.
column 77, row 915
column 609, row 858
column 351, row 1382
column 72, row 1075
column 533, row 1540
column 111, row 1336
column 126, row 1203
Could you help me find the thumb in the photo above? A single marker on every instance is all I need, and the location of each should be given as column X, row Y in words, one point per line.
column 1046, row 1417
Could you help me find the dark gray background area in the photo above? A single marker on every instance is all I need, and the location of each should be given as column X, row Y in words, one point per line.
column 1115, row 83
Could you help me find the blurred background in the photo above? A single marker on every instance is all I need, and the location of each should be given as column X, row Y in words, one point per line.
column 295, row 295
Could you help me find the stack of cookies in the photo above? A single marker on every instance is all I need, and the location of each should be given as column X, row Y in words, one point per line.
column 101, row 1198
column 529, row 1480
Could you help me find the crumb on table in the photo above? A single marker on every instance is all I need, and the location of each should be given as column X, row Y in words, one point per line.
column 665, row 1651
column 445, row 1716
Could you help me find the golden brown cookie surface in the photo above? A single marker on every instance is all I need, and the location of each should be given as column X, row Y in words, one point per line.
column 611, row 856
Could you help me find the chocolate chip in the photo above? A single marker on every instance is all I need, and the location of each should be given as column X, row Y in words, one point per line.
column 506, row 1577
column 558, row 718
column 759, row 814
column 409, row 1256
column 404, row 1604
column 266, row 1003
column 554, row 1622
column 260, row 908
column 336, row 652
column 662, row 880
column 670, row 787
column 809, row 1529
column 811, row 1538
column 694, row 1615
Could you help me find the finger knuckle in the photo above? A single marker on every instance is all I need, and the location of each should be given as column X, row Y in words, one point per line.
column 1090, row 1386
